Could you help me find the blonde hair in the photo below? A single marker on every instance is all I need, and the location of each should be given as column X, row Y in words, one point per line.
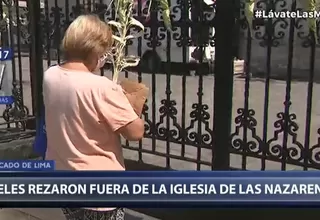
column 86, row 36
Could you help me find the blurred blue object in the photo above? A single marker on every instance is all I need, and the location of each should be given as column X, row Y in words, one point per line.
column 40, row 144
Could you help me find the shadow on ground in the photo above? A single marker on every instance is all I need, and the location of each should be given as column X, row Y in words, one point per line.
column 296, row 76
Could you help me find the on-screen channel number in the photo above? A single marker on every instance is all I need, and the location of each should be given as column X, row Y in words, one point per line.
column 6, row 53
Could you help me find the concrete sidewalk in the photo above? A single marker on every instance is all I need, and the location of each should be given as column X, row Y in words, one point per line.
column 55, row 214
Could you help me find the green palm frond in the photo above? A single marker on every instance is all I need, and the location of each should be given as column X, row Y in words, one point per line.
column 164, row 5
column 311, row 6
column 124, row 21
column 249, row 7
column 312, row 22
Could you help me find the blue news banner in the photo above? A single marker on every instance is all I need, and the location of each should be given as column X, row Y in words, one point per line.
column 26, row 165
column 48, row 188
column 6, row 53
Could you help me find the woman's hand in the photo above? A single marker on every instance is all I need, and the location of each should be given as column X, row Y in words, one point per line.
column 136, row 93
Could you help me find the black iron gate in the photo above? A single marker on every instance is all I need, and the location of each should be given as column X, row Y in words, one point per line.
column 17, row 119
column 179, row 126
column 276, row 123
column 199, row 115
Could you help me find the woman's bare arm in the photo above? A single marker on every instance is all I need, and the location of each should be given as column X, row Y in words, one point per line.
column 133, row 131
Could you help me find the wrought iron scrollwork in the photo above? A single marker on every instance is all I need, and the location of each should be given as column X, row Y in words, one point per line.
column 314, row 153
column 272, row 32
column 8, row 2
column 154, row 36
column 308, row 39
column 180, row 34
column 284, row 144
column 56, row 26
column 199, row 117
column 246, row 120
column 25, row 36
column 168, row 109
column 53, row 28
column 18, row 19
column 175, row 13
column 294, row 152
column 17, row 112
column 3, row 26
column 79, row 9
column 148, row 125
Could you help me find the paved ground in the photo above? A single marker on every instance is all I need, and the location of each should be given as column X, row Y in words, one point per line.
column 256, row 102
column 55, row 214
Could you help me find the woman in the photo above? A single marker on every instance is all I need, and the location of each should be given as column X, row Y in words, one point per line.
column 85, row 113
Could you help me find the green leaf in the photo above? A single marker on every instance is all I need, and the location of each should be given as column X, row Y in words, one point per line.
column 312, row 21
column 128, row 37
column 123, row 23
column 135, row 22
column 164, row 5
column 130, row 61
column 249, row 6
column 166, row 19
column 115, row 24
column 119, row 39
column 121, row 11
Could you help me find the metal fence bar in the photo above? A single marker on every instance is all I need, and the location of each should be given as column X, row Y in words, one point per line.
column 306, row 150
column 223, row 84
column 36, row 68
column 287, row 103
column 139, row 53
column 266, row 89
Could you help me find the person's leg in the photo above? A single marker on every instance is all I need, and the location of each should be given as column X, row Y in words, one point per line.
column 87, row 214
